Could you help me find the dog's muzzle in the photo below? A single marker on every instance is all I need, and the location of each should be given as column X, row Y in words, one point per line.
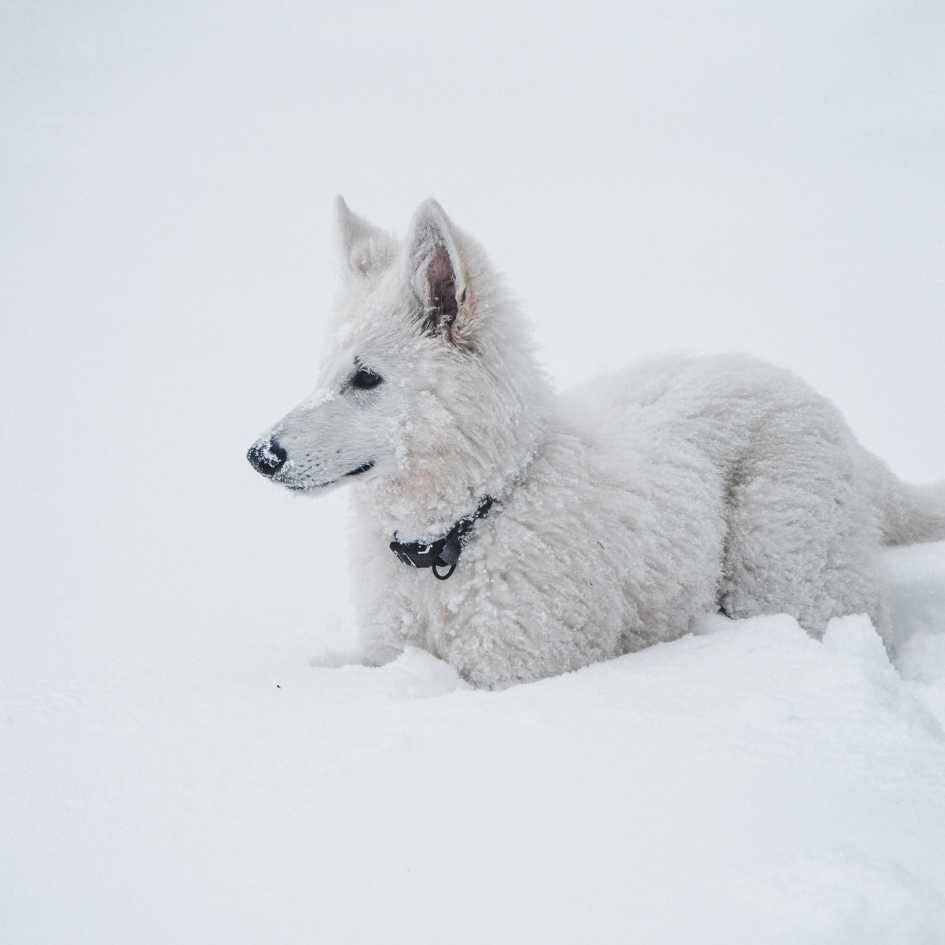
column 266, row 457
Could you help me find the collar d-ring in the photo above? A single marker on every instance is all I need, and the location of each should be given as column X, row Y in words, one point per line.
column 442, row 554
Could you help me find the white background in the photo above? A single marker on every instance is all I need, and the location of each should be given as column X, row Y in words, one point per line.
column 762, row 177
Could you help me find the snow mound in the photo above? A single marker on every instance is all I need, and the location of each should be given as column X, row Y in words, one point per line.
column 746, row 783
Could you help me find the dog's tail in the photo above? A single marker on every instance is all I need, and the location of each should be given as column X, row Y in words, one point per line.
column 911, row 513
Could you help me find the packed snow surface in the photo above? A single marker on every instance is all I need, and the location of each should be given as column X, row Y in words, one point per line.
column 744, row 784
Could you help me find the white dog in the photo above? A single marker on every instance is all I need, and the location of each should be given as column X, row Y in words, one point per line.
column 574, row 528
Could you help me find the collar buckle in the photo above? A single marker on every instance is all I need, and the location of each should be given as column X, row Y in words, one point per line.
column 442, row 555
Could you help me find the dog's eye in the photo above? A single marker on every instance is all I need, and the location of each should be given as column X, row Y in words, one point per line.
column 363, row 379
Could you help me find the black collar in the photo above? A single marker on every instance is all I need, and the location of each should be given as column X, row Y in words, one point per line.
column 444, row 552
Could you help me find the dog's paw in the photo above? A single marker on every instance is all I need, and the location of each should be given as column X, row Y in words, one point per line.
column 416, row 674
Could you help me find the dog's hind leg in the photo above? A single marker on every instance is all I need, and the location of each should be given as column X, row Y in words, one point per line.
column 802, row 537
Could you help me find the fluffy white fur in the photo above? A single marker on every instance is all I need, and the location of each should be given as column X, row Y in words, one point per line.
column 625, row 509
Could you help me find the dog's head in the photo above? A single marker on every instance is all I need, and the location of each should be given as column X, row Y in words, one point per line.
column 428, row 377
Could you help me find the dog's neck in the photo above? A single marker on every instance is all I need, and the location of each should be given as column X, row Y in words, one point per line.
column 435, row 488
column 425, row 503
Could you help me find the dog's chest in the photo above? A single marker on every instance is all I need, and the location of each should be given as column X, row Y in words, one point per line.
column 438, row 612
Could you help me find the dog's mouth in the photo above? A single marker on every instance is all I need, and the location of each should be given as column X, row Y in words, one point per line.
column 300, row 486
column 363, row 468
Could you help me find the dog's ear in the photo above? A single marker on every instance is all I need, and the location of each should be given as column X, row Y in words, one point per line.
column 366, row 249
column 435, row 269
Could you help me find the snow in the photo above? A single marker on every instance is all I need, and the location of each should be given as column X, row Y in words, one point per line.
column 745, row 783
column 173, row 768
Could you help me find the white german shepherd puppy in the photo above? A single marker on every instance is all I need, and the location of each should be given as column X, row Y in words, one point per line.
column 572, row 528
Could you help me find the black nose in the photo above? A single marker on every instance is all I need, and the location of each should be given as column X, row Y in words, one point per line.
column 267, row 456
